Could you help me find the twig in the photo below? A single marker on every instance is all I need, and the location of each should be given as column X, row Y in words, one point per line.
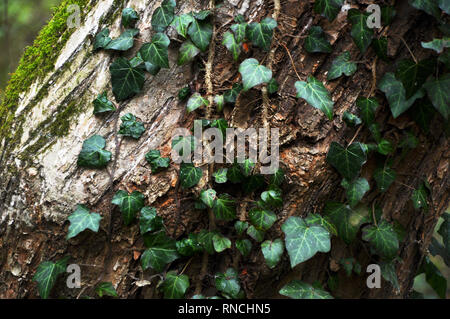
column 185, row 266
column 374, row 76
column 407, row 46
column 292, row 60
column 356, row 134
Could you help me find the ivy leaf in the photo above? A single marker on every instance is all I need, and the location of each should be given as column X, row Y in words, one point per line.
column 247, row 167
column 315, row 93
column 396, row 95
column 188, row 51
column 382, row 238
column 303, row 241
column 234, row 174
column 129, row 204
column 231, row 44
column 262, row 219
column 428, row 6
column 328, row 8
column 260, row 34
column 420, row 197
column 156, row 52
column 202, row 15
column 220, row 243
column 163, row 16
column 300, row 290
column 129, row 17
column 181, row 23
column 389, row 274
column 347, row 222
column 387, row 14
column 444, row 231
column 256, row 234
column 272, row 198
column 437, row 45
column 153, row 157
column 160, row 251
column 253, row 183
column 228, row 283
column 106, row 289
column 367, row 107
column 208, row 197
column 355, row 190
column 272, row 252
column 47, row 273
column 231, row 95
column 348, row 161
column 413, row 75
column 220, row 102
column 189, row 246
column 222, row 125
column 385, row 147
column 317, row 220
column 351, row 119
column 184, row 93
column 444, row 5
column 175, row 286
column 434, row 277
column 82, row 219
column 362, row 35
column 182, row 143
column 342, row 65
column 102, row 39
column 439, row 93
column 102, row 104
column 196, row 101
column 200, row 33
column 149, row 221
column 277, row 178
column 190, row 175
column 317, row 42
column 445, row 59
column 244, row 246
column 272, row 86
column 253, row 73
column 224, row 207
column 380, row 46
column 124, row 42
column 239, row 30
column 126, row 80
column 92, row 153
column 220, row 176
column 384, row 176
column 131, row 127
column 240, row 227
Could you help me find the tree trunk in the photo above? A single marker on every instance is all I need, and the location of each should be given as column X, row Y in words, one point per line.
column 42, row 133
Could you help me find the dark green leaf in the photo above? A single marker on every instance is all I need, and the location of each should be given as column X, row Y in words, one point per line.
column 317, row 220
column 129, row 17
column 106, row 289
column 262, row 219
column 129, row 204
column 413, row 75
column 385, row 147
column 260, row 34
column 102, row 104
column 315, row 93
column 92, row 153
column 234, row 174
column 202, row 15
column 300, row 290
column 253, row 73
column 47, row 273
column 163, row 16
column 124, row 42
column 102, row 39
column 222, row 125
column 224, row 207
column 231, row 44
column 439, row 93
column 316, row 41
column 429, row 6
column 272, row 198
column 240, row 227
column 188, row 51
column 419, row 197
column 244, row 246
column 189, row 246
column 160, row 251
column 220, row 243
column 153, row 157
column 367, row 107
column 82, row 219
column 434, row 277
column 240, row 31
column 175, row 286
column 256, row 234
column 126, row 80
column 342, row 65
column 196, row 101
column 253, row 183
column 347, row 221
column 131, row 127
column 380, row 47
column 207, row 197
column 181, row 23
column 184, row 143
column 220, row 176
column 228, row 283
column 348, row 161
column 272, row 86
column 156, row 52
column 351, row 119
column 389, row 274
column 382, row 238
column 361, row 33
column 190, row 175
column 387, row 14
column 272, row 252
column 355, row 190
column 328, row 8
column 200, row 33
column 384, row 176
column 184, row 93
column 205, row 238
column 149, row 221
column 444, row 231
column 231, row 95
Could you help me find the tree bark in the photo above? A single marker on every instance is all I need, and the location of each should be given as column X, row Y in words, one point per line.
column 40, row 183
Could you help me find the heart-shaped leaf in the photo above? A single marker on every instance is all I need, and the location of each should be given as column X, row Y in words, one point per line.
column 355, row 190
column 190, row 175
column 256, row 234
column 244, row 246
column 163, row 16
column 129, row 204
column 92, row 153
column 129, row 17
column 439, row 93
column 228, row 283
column 301, row 290
column 220, row 243
column 253, row 73
column 260, row 34
column 82, row 219
column 231, row 95
column 131, row 127
column 181, row 23
column 126, row 80
column 224, row 207
column 156, row 51
column 346, row 220
column 342, row 65
column 348, row 161
column 196, row 101
column 124, row 42
column 317, row 42
column 149, row 221
column 102, row 104
column 160, row 251
column 175, row 286
column 367, row 107
column 328, row 8
column 47, row 273
column 315, row 93
column 102, row 39
column 261, row 218
column 220, row 176
column 362, row 35
column 106, row 289
column 188, row 51
column 231, row 44
column 413, row 75
column 200, row 33
column 382, row 238
column 272, row 252
column 207, row 197
column 272, row 198
column 155, row 160
column 384, row 176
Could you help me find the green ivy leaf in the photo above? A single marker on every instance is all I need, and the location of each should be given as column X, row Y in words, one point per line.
column 253, row 183
column 247, row 167
column 244, row 246
column 272, row 198
column 234, row 174
column 208, row 196
column 131, row 127
column 220, row 102
column 184, row 93
column 342, row 65
column 428, row 6
column 260, row 34
column 300, row 290
column 445, row 59
column 355, row 190
column 184, row 142
column 163, row 16
column 434, row 277
column 380, row 46
column 129, row 17
column 317, row 220
column 351, row 119
column 256, row 234
column 231, row 95
column 82, row 219
column 196, row 101
column 222, row 125
column 190, row 175
column 439, row 93
column 200, row 33
column 205, row 239
column 444, row 231
column 181, row 23
column 367, row 107
column 261, row 218
column 129, row 204
column 102, row 104
column 47, row 273
column 228, row 283
column 124, row 42
column 362, row 35
column 328, row 8
column 160, row 251
column 149, row 221
column 396, row 95
column 385, row 147
column 156, row 52
column 437, row 45
column 188, row 51
column 413, row 75
column 387, row 14
column 444, row 5
column 189, row 246
column 92, row 153
column 224, row 207
column 315, row 93
column 240, row 31
column 106, row 289
column 153, row 157
column 272, row 252
column 231, row 44
column 420, row 197
column 253, row 73
column 175, row 286
column 389, row 274
column 317, row 42
column 220, row 243
column 272, row 86
column 240, row 227
column 303, row 241
column 382, row 238
column 102, row 39
column 347, row 221
column 277, row 178
column 126, row 80
column 220, row 176
column 202, row 15
column 348, row 161
column 384, row 176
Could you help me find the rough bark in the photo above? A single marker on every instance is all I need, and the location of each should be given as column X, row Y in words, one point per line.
column 40, row 183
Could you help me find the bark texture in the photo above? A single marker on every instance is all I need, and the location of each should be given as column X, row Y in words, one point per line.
column 40, row 183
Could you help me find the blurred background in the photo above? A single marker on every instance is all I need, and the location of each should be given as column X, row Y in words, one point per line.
column 20, row 23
